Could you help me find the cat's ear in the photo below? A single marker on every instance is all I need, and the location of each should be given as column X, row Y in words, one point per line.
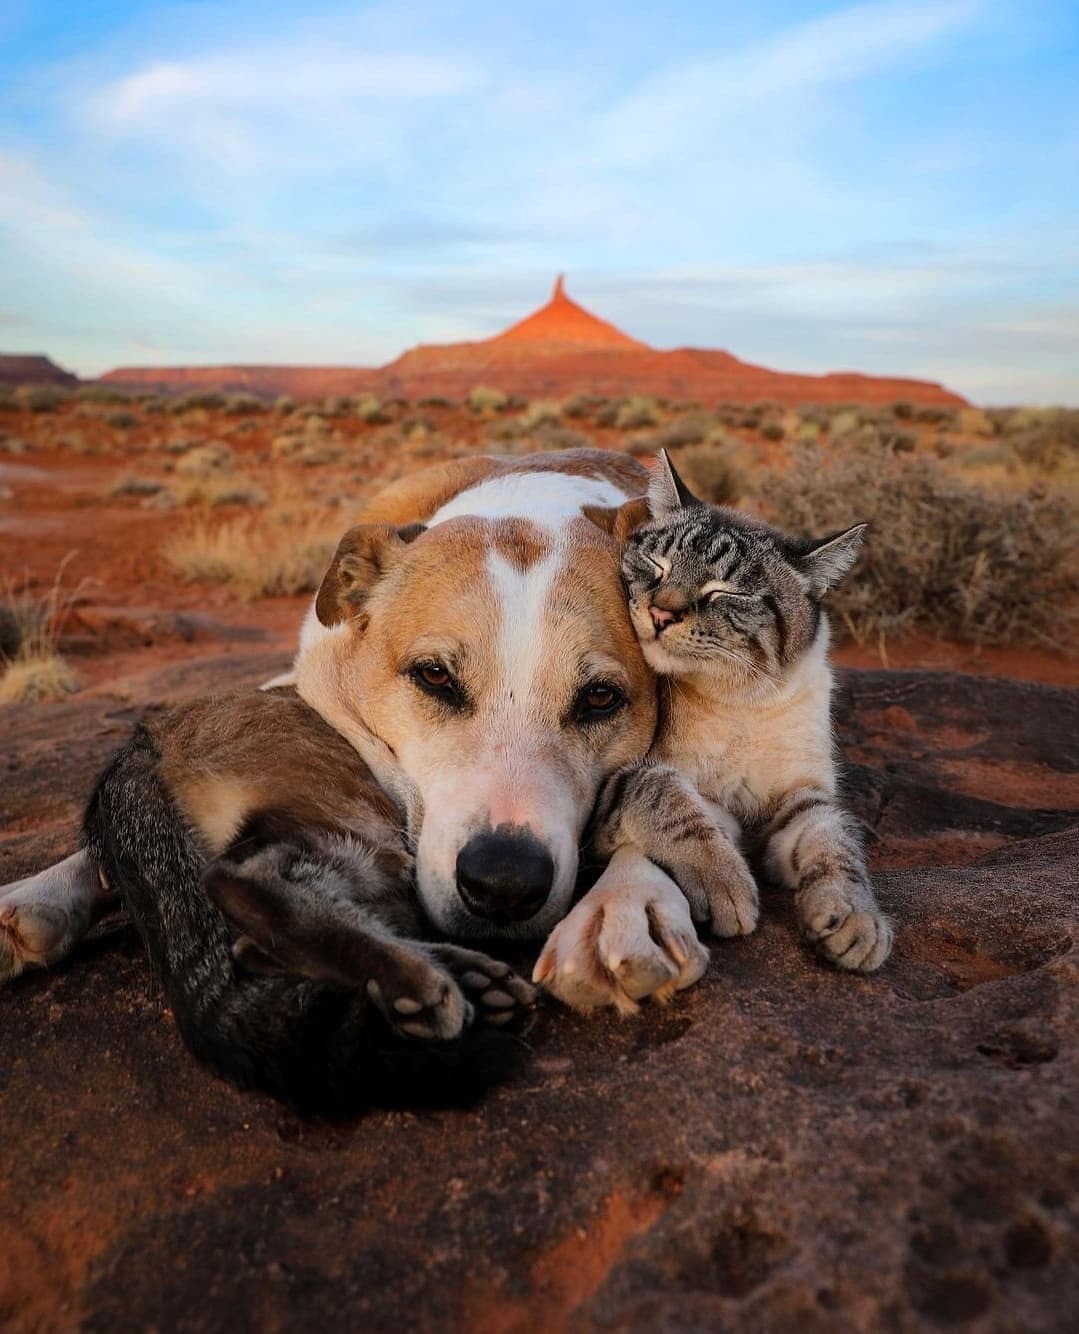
column 666, row 490
column 827, row 562
column 620, row 520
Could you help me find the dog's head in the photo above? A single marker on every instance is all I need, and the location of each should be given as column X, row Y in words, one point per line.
column 488, row 671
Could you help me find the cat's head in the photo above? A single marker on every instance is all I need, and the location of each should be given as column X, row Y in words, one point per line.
column 718, row 592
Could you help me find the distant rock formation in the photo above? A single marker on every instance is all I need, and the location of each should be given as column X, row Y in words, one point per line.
column 558, row 350
column 32, row 368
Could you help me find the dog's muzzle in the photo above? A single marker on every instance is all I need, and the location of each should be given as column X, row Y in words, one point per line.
column 504, row 874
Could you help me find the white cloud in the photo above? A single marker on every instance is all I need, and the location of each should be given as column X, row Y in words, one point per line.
column 695, row 100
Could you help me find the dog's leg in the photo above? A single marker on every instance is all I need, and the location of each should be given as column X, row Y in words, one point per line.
column 629, row 938
column 43, row 917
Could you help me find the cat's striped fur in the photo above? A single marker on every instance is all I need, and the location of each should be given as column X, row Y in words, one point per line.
column 743, row 770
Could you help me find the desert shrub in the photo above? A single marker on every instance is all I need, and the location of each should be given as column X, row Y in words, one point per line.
column 13, row 444
column 240, row 405
column 553, row 436
column 715, row 470
column 973, row 421
column 933, row 415
column 205, row 460
column 772, row 431
column 540, row 413
column 1047, row 441
column 284, row 404
column 484, row 399
column 40, row 397
column 278, row 554
column 942, row 556
column 845, row 421
column 8, row 401
column 122, row 421
column 582, row 405
column 370, row 409
column 903, row 410
column 433, row 401
column 133, row 485
column 689, row 429
column 206, row 399
column 101, row 393
column 607, row 415
column 153, row 404
column 31, row 666
column 636, row 412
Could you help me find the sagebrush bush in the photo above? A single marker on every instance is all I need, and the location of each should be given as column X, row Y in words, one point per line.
column 40, row 397
column 541, row 413
column 941, row 555
column 239, row 405
column 636, row 412
column 485, row 399
column 101, row 393
column 715, row 470
column 122, row 421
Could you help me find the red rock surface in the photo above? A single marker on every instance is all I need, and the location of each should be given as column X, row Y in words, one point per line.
column 782, row 1148
column 559, row 350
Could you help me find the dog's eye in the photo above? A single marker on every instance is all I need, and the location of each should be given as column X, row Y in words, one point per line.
column 598, row 700
column 434, row 678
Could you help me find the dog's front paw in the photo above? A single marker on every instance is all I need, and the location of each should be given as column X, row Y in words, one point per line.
column 500, row 996
column 417, row 996
column 631, row 937
column 845, row 924
column 32, row 935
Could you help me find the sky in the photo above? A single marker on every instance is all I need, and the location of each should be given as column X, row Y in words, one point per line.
column 890, row 187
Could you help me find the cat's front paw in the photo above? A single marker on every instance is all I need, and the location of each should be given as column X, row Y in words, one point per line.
column 501, row 998
column 847, row 927
column 627, row 940
column 417, row 996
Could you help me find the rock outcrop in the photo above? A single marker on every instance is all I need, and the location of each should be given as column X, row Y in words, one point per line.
column 782, row 1148
column 29, row 368
column 560, row 349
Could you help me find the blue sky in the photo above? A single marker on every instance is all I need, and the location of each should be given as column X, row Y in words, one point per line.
column 889, row 187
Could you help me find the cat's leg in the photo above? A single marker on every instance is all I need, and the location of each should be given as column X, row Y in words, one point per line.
column 629, row 938
column 293, row 918
column 660, row 812
column 43, row 917
column 811, row 845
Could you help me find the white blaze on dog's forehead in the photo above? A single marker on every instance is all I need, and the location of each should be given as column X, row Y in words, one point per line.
column 550, row 499
column 522, row 598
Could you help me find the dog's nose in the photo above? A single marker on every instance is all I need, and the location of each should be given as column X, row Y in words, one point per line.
column 504, row 874
column 661, row 617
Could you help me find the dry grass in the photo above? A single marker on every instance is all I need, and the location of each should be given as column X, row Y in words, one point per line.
column 279, row 554
column 31, row 667
column 942, row 555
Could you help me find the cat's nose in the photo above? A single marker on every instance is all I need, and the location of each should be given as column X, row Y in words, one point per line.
column 661, row 617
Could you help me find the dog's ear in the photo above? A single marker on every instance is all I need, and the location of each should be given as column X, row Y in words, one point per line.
column 666, row 491
column 363, row 556
column 619, row 520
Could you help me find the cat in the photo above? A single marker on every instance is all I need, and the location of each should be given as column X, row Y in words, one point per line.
column 269, row 876
column 743, row 770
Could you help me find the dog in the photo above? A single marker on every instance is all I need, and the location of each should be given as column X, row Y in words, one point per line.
column 471, row 641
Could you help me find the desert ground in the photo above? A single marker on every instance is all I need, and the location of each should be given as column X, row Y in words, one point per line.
column 783, row 1147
